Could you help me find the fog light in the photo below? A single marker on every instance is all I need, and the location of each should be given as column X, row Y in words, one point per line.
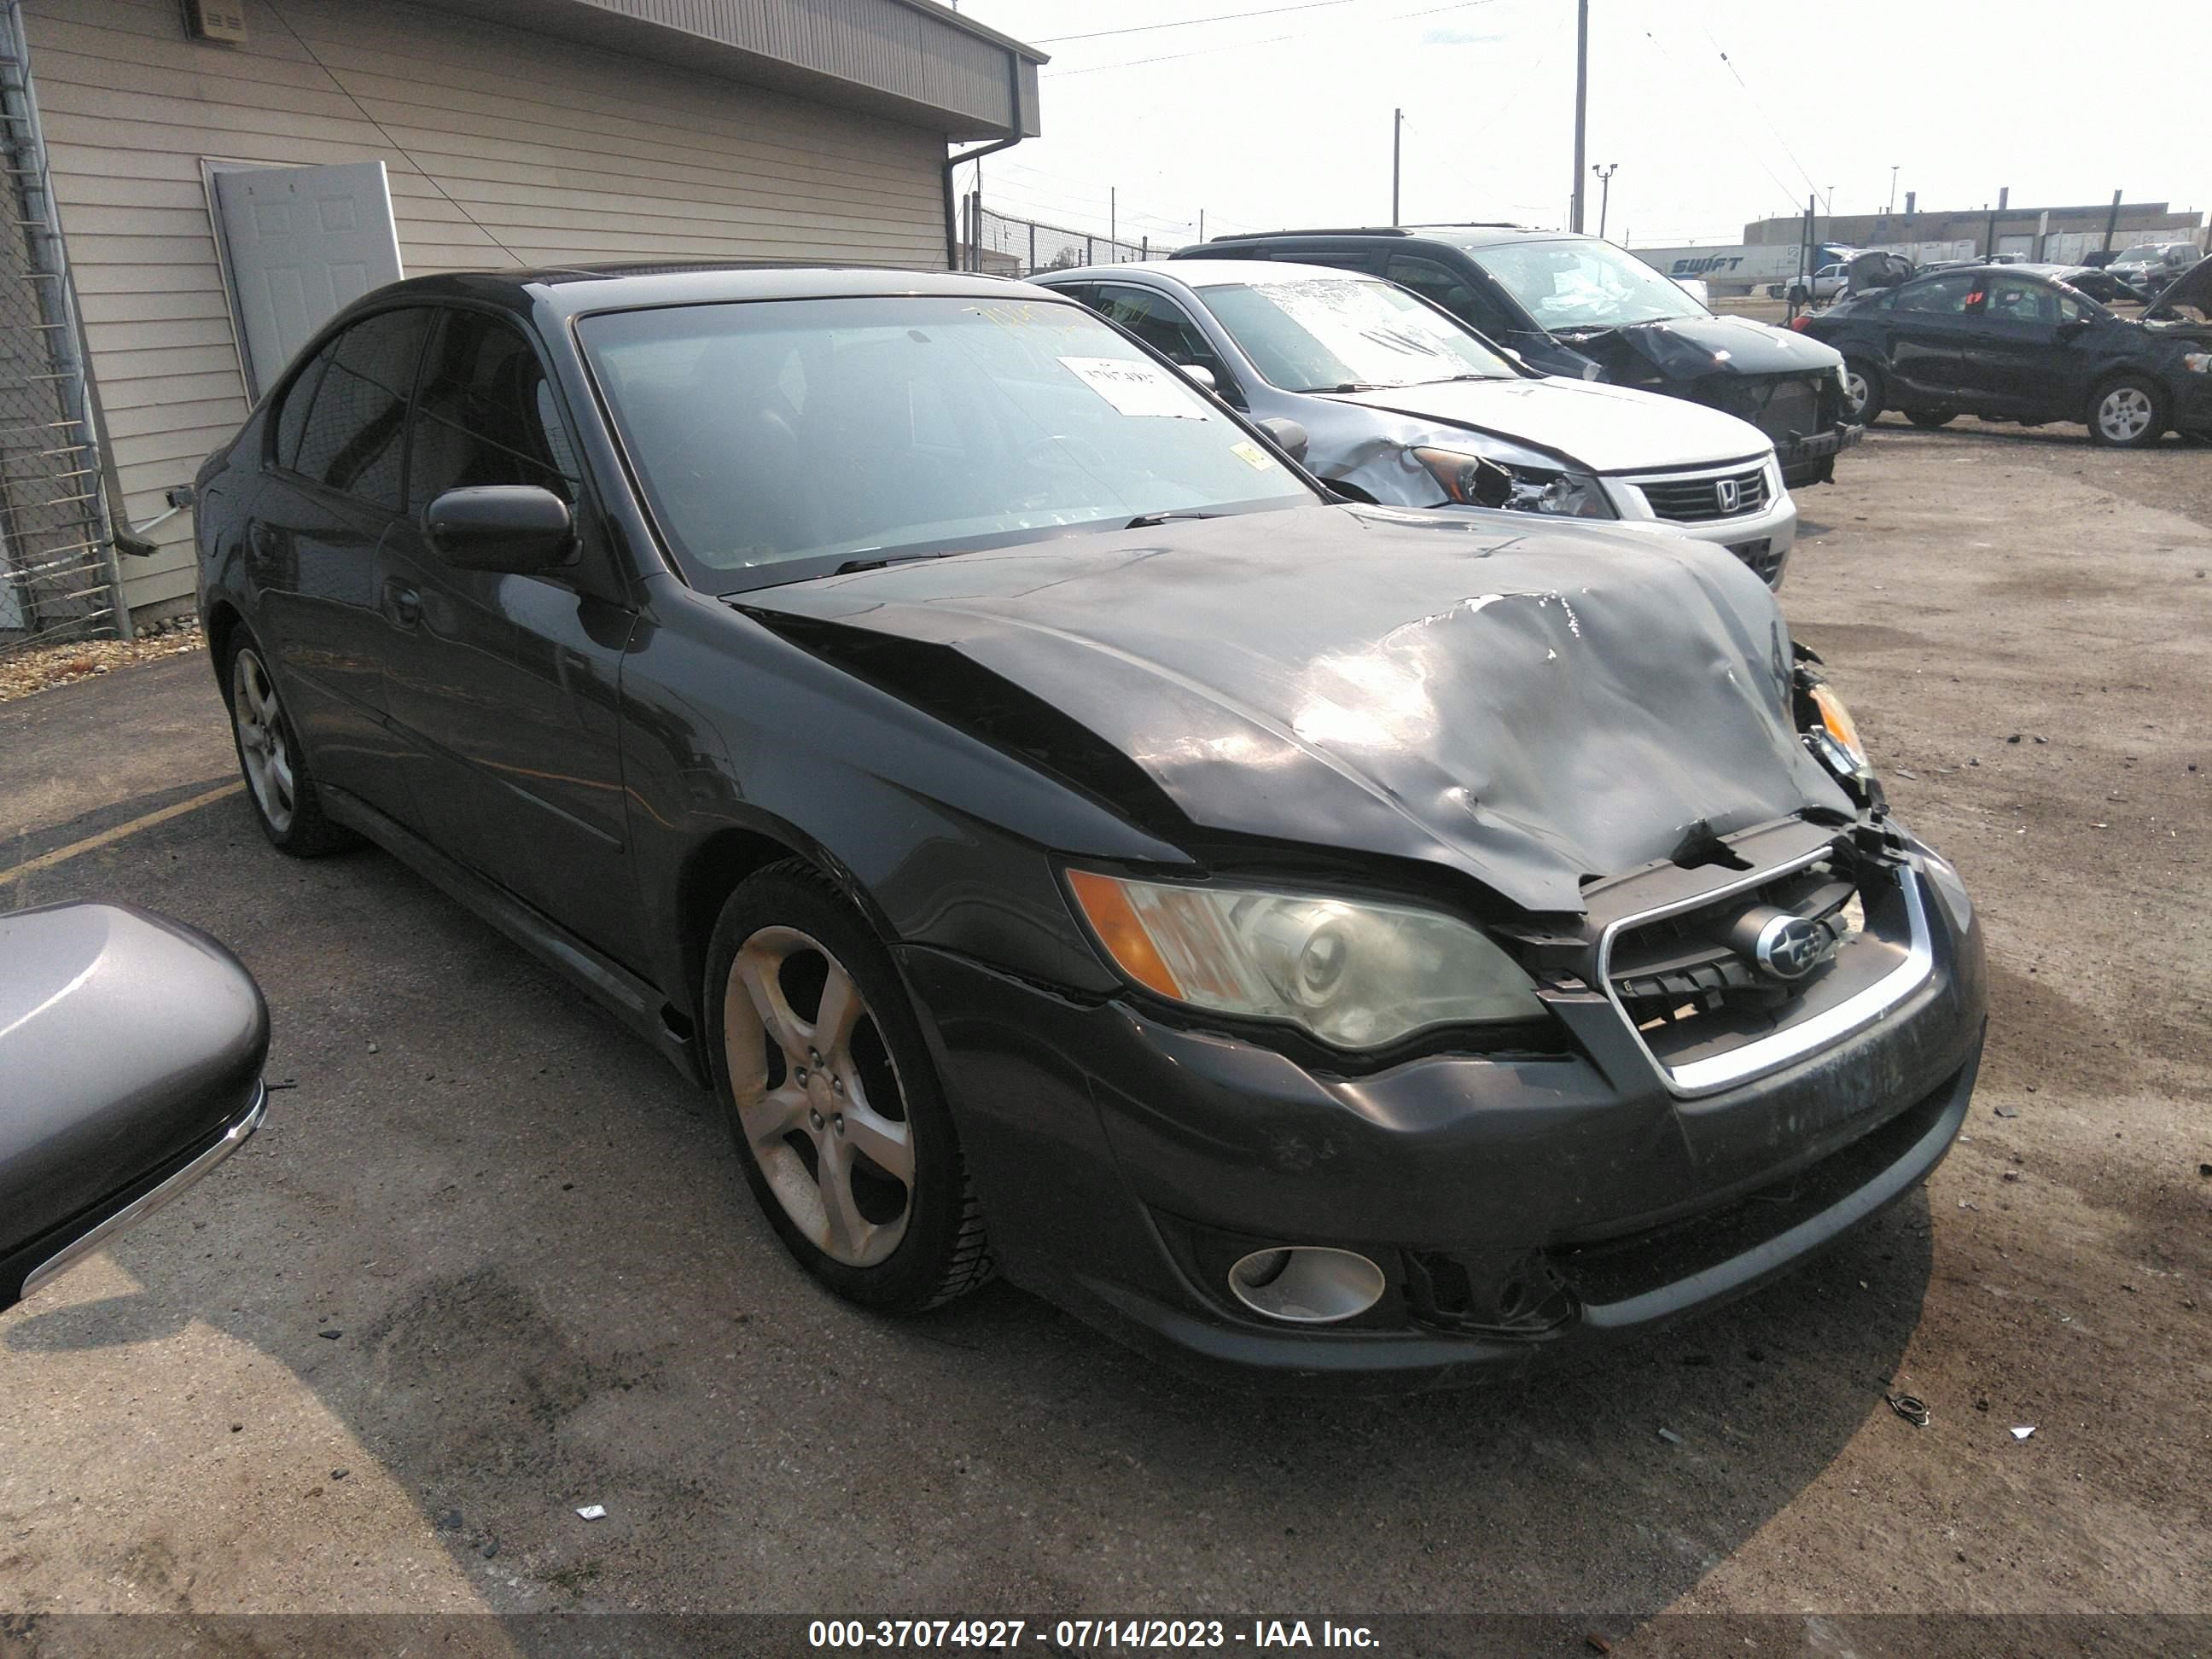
column 1307, row 1285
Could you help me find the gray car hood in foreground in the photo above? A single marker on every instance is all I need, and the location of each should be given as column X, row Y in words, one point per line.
column 1529, row 706
column 1604, row 429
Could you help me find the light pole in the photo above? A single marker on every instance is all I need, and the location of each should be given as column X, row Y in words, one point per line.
column 1397, row 133
column 1605, row 193
column 1581, row 110
column 1892, row 207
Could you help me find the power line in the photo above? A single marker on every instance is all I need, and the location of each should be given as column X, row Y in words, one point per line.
column 1246, row 46
column 422, row 172
column 1755, row 104
column 1789, row 194
column 1186, row 22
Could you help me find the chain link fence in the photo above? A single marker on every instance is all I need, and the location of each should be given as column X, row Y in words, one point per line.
column 1000, row 246
column 57, row 572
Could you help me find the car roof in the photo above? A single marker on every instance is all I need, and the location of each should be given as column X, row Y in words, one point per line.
column 1464, row 236
column 1215, row 273
column 573, row 290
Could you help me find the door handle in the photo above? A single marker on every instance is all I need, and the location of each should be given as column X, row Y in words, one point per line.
column 405, row 603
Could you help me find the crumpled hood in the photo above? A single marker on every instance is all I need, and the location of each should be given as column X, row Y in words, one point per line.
column 1603, row 428
column 1527, row 705
column 1689, row 347
column 2192, row 288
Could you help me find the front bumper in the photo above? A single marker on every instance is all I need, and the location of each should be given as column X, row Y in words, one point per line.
column 1121, row 1159
column 1812, row 460
column 1762, row 539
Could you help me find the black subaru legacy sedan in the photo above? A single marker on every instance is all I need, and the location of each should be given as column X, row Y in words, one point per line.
column 1315, row 942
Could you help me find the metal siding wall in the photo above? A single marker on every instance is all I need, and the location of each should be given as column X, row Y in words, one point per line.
column 564, row 154
column 892, row 47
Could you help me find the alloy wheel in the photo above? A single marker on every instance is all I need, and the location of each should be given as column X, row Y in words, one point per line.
column 262, row 744
column 817, row 1095
column 2122, row 413
column 1855, row 391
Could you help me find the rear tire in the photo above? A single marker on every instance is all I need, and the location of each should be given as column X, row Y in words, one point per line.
column 836, row 1109
column 1928, row 419
column 2127, row 412
column 286, row 803
column 1864, row 394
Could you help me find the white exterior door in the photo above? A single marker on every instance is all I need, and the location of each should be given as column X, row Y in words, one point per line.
column 301, row 242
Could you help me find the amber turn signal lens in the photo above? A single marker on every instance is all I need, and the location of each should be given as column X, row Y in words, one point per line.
column 1839, row 724
column 1106, row 907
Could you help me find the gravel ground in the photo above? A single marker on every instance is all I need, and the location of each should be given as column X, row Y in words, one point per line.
column 548, row 1287
column 25, row 669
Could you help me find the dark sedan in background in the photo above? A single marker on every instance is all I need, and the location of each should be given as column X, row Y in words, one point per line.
column 1579, row 307
column 1326, row 940
column 2011, row 343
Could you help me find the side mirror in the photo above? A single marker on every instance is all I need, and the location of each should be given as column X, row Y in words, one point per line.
column 515, row 529
column 1201, row 377
column 1290, row 437
column 2073, row 326
column 132, row 1048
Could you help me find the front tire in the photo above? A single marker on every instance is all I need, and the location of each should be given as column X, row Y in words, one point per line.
column 286, row 803
column 836, row 1108
column 1928, row 420
column 1863, row 392
column 2127, row 412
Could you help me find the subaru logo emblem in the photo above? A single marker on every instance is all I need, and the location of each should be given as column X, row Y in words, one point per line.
column 1790, row 947
column 1730, row 493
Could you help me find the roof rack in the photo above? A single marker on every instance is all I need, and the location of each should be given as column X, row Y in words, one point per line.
column 1373, row 230
column 1326, row 230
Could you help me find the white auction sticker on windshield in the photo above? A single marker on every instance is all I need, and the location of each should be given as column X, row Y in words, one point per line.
column 1135, row 386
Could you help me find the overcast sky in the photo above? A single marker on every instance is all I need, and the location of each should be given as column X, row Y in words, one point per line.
column 1285, row 118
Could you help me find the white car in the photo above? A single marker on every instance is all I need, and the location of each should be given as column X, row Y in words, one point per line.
column 1828, row 282
column 1402, row 404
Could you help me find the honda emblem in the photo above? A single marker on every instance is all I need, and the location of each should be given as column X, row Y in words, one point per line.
column 1730, row 493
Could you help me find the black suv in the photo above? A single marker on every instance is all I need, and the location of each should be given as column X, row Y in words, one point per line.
column 1578, row 306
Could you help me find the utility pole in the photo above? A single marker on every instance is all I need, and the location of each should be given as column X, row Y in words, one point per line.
column 1397, row 132
column 1892, row 207
column 1112, row 207
column 1605, row 193
column 1201, row 222
column 2112, row 222
column 1581, row 109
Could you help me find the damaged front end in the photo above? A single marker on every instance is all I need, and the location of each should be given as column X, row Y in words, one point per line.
column 1546, row 964
column 1788, row 385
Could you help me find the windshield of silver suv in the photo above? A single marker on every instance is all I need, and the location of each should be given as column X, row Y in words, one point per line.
column 1328, row 334
column 777, row 440
column 1584, row 283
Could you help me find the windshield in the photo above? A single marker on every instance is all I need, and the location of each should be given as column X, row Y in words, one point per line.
column 1586, row 284
column 778, row 439
column 2142, row 253
column 1331, row 334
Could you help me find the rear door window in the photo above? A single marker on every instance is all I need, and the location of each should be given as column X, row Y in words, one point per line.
column 1943, row 296
column 352, row 438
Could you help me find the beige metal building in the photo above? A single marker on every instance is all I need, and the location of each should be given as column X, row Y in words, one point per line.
column 2061, row 233
column 415, row 137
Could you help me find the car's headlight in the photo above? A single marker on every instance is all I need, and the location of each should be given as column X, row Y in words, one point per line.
column 2197, row 362
column 1354, row 973
column 1478, row 481
column 1837, row 732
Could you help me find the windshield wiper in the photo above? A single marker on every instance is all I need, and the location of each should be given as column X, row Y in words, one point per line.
column 852, row 566
column 1144, row 521
column 1349, row 386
